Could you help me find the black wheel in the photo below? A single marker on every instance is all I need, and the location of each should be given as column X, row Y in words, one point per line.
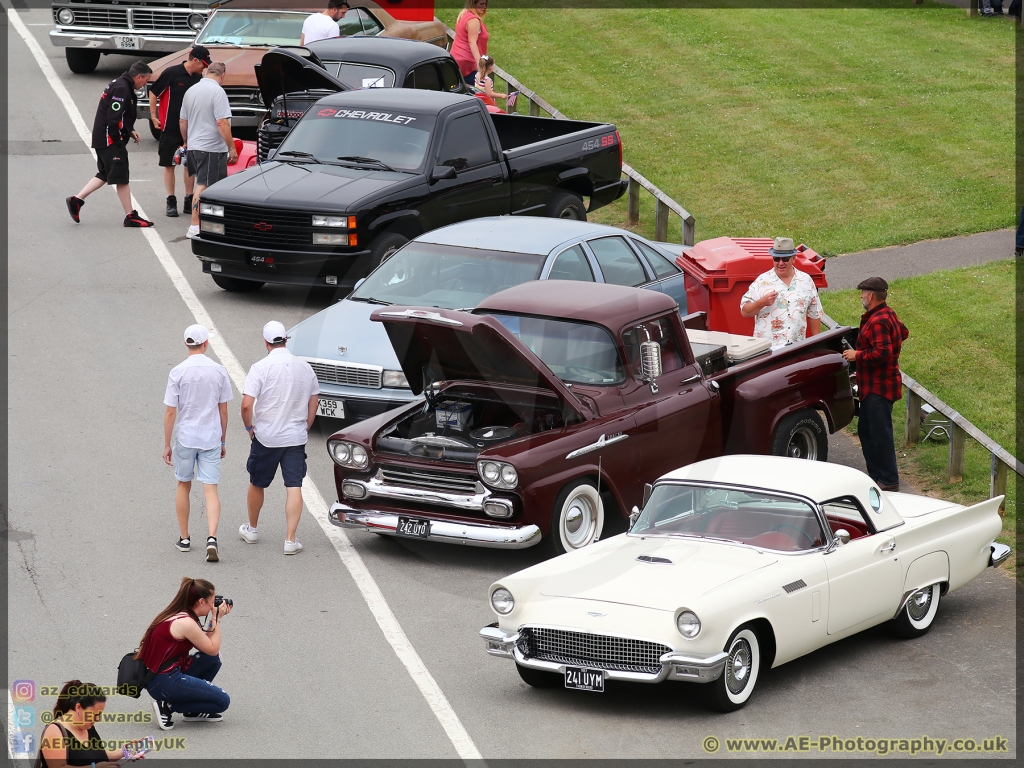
column 384, row 247
column 236, row 285
column 801, row 435
column 82, row 61
column 736, row 683
column 917, row 616
column 537, row 678
column 566, row 205
column 577, row 519
column 153, row 130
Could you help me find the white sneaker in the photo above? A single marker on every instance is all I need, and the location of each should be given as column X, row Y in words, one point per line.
column 248, row 535
column 192, row 232
column 292, row 547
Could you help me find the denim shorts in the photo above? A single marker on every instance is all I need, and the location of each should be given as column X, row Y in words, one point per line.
column 186, row 460
column 263, row 463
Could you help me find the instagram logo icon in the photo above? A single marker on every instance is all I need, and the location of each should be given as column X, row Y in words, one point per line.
column 23, row 690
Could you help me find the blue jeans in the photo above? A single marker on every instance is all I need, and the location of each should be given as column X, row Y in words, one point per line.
column 192, row 691
column 874, row 428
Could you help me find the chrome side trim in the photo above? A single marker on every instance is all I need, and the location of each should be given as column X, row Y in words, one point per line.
column 467, row 502
column 472, row 534
column 598, row 445
column 999, row 554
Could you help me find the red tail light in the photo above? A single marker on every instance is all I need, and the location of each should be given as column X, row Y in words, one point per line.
column 619, row 140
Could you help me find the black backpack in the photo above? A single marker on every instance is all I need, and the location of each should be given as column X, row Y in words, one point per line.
column 132, row 675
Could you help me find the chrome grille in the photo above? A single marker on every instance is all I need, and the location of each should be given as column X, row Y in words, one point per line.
column 146, row 19
column 245, row 98
column 97, row 17
column 349, row 375
column 432, row 481
column 587, row 650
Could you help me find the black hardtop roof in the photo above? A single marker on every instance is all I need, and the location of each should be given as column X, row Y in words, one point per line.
column 397, row 99
column 386, row 51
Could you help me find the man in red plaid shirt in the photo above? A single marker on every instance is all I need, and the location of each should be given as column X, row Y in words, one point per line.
column 879, row 383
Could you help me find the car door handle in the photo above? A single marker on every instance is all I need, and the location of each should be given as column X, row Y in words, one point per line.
column 890, row 547
column 690, row 380
column 497, row 181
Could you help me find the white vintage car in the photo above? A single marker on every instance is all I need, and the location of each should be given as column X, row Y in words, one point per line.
column 735, row 564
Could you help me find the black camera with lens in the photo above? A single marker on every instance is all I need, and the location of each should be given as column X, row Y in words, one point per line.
column 218, row 599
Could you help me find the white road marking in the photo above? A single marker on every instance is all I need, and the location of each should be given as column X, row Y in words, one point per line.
column 311, row 495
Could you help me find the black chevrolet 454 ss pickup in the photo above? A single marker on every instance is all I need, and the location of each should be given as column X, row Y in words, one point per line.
column 363, row 172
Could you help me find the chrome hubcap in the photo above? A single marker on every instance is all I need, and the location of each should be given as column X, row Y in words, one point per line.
column 737, row 669
column 919, row 603
column 803, row 444
column 578, row 522
column 568, row 213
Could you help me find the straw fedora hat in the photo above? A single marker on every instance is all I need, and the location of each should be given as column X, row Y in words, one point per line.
column 783, row 247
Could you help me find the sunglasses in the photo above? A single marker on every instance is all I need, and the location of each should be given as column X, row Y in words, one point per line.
column 781, row 258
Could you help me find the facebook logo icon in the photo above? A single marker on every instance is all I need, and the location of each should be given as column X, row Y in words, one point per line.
column 25, row 717
column 23, row 743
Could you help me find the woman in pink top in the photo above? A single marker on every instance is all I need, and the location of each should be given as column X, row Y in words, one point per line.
column 470, row 38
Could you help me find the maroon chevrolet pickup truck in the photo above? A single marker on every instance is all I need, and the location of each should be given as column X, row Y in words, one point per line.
column 536, row 424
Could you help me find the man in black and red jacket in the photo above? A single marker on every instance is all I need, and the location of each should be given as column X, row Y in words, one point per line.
column 168, row 91
column 879, row 381
column 113, row 126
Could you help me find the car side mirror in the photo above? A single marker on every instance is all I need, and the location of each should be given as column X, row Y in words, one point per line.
column 842, row 536
column 634, row 515
column 442, row 172
column 648, row 490
column 650, row 363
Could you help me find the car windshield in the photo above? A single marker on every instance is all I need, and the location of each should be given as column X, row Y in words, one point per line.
column 361, row 137
column 575, row 352
column 361, row 75
column 757, row 518
column 259, row 28
column 425, row 274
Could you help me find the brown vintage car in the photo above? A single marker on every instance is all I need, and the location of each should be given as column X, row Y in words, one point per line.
column 239, row 33
column 555, row 401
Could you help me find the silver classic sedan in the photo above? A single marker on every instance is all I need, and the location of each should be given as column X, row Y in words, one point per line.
column 456, row 267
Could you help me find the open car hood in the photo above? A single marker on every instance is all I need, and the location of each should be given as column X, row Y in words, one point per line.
column 458, row 346
column 288, row 70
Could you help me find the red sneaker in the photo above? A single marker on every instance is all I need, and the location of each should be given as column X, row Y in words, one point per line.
column 134, row 220
column 74, row 207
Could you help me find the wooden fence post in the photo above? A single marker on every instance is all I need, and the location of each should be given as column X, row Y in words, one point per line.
column 912, row 431
column 661, row 222
column 972, row 9
column 633, row 206
column 689, row 227
column 534, row 109
column 997, row 482
column 508, row 90
column 955, row 465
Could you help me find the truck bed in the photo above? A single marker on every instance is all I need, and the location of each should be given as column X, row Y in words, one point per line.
column 515, row 131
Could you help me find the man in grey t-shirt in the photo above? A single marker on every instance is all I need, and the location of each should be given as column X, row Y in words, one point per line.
column 205, row 122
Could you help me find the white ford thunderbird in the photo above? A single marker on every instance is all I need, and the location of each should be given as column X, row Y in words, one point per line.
column 735, row 564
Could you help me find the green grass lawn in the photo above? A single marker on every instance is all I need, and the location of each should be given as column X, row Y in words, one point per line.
column 846, row 129
column 961, row 347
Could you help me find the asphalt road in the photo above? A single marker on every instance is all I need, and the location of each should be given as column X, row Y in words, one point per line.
column 94, row 326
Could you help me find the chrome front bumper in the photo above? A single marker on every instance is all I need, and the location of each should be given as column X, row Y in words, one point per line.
column 473, row 534
column 105, row 41
column 674, row 666
column 999, row 553
column 375, row 486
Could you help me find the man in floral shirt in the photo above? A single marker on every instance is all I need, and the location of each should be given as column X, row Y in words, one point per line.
column 783, row 301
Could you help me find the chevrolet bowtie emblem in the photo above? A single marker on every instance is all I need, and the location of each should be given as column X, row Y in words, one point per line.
column 342, row 350
column 262, row 226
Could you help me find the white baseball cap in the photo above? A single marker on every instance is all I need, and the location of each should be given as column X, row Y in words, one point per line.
column 274, row 332
column 196, row 334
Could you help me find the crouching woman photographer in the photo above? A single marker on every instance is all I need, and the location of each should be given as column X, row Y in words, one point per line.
column 183, row 682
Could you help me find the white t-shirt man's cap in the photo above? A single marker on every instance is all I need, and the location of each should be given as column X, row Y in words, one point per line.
column 319, row 26
column 196, row 387
column 282, row 385
column 202, row 106
column 196, row 334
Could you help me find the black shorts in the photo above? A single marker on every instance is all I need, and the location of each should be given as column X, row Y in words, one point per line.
column 263, row 463
column 169, row 143
column 112, row 165
column 207, row 167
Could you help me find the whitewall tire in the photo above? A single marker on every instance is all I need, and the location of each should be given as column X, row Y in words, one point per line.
column 577, row 519
column 736, row 683
column 918, row 614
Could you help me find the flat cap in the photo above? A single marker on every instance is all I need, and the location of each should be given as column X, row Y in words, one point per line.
column 873, row 284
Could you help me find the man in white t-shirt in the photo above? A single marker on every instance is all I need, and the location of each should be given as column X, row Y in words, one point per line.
column 278, row 407
column 198, row 391
column 783, row 301
column 324, row 25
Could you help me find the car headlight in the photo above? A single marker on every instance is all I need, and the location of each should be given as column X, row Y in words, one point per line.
column 498, row 474
column 196, row 21
column 213, row 227
column 348, row 454
column 142, row 93
column 394, row 380
column 502, row 601
column 209, row 209
column 66, row 16
column 688, row 624
column 322, row 238
column 346, row 222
